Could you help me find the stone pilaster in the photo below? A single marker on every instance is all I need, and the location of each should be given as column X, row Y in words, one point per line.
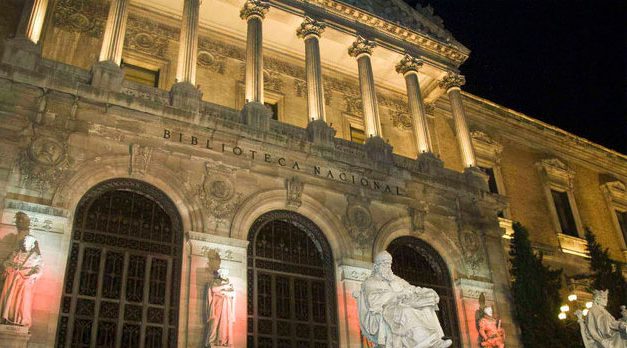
column 452, row 83
column 106, row 73
column 362, row 50
column 184, row 94
column 409, row 67
column 310, row 30
column 254, row 12
column 24, row 50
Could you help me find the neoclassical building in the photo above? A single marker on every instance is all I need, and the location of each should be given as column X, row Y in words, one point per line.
column 153, row 142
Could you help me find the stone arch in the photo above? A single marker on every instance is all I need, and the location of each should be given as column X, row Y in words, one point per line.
column 92, row 172
column 288, row 251
column 262, row 202
column 123, row 229
column 443, row 245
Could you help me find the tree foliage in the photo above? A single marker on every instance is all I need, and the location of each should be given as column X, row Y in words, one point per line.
column 535, row 289
column 606, row 274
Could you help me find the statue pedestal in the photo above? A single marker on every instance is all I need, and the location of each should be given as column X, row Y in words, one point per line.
column 13, row 336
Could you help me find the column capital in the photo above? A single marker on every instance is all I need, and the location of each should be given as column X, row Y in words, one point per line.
column 361, row 46
column 254, row 8
column 408, row 65
column 310, row 27
column 452, row 80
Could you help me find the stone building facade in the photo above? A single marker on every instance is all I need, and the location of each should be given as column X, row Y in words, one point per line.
column 153, row 142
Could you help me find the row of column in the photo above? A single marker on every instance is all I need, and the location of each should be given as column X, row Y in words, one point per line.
column 310, row 30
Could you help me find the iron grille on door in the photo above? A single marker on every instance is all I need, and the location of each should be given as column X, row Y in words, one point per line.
column 122, row 279
column 291, row 284
column 420, row 265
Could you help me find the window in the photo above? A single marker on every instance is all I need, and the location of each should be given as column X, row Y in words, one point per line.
column 140, row 75
column 488, row 152
column 558, row 180
column 564, row 213
column 616, row 197
column 491, row 179
column 274, row 107
column 357, row 135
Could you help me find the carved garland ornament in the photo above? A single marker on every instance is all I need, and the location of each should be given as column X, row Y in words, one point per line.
column 217, row 192
column 401, row 119
column 294, row 188
column 44, row 163
column 358, row 221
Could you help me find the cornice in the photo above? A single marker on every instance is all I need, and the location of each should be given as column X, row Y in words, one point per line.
column 450, row 49
column 534, row 133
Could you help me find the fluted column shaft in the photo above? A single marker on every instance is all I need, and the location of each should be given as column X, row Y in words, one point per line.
column 188, row 43
column 113, row 40
column 361, row 50
column 409, row 67
column 310, row 30
column 253, row 12
column 452, row 84
column 32, row 21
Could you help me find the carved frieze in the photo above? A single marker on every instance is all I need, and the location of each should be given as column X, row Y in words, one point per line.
column 294, row 189
column 353, row 105
column 354, row 273
column 81, row 16
column 44, row 163
column 272, row 81
column 358, row 221
column 217, row 192
column 214, row 63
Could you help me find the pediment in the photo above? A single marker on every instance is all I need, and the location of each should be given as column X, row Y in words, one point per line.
column 557, row 172
column 421, row 19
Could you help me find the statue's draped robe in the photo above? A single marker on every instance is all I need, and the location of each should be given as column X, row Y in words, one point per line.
column 221, row 313
column 21, row 270
column 599, row 329
column 492, row 336
column 410, row 324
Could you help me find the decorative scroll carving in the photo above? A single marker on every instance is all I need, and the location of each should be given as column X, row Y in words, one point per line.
column 44, row 163
column 355, row 273
column 294, row 188
column 353, row 105
column 272, row 80
column 148, row 36
column 358, row 221
column 214, row 63
column 139, row 159
column 430, row 109
column 452, row 80
column 401, row 119
column 361, row 46
column 417, row 218
column 217, row 192
column 81, row 16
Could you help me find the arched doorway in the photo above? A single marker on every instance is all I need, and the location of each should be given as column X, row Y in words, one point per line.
column 419, row 264
column 291, row 284
column 122, row 280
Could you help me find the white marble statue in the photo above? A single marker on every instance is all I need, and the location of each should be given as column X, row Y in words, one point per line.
column 220, row 310
column 599, row 329
column 395, row 314
column 21, row 270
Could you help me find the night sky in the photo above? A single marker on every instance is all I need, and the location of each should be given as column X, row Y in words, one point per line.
column 559, row 61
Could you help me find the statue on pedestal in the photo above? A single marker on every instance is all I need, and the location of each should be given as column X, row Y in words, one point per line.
column 21, row 270
column 220, row 310
column 490, row 331
column 396, row 314
column 599, row 329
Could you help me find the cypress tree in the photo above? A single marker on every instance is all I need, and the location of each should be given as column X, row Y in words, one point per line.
column 606, row 274
column 535, row 290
